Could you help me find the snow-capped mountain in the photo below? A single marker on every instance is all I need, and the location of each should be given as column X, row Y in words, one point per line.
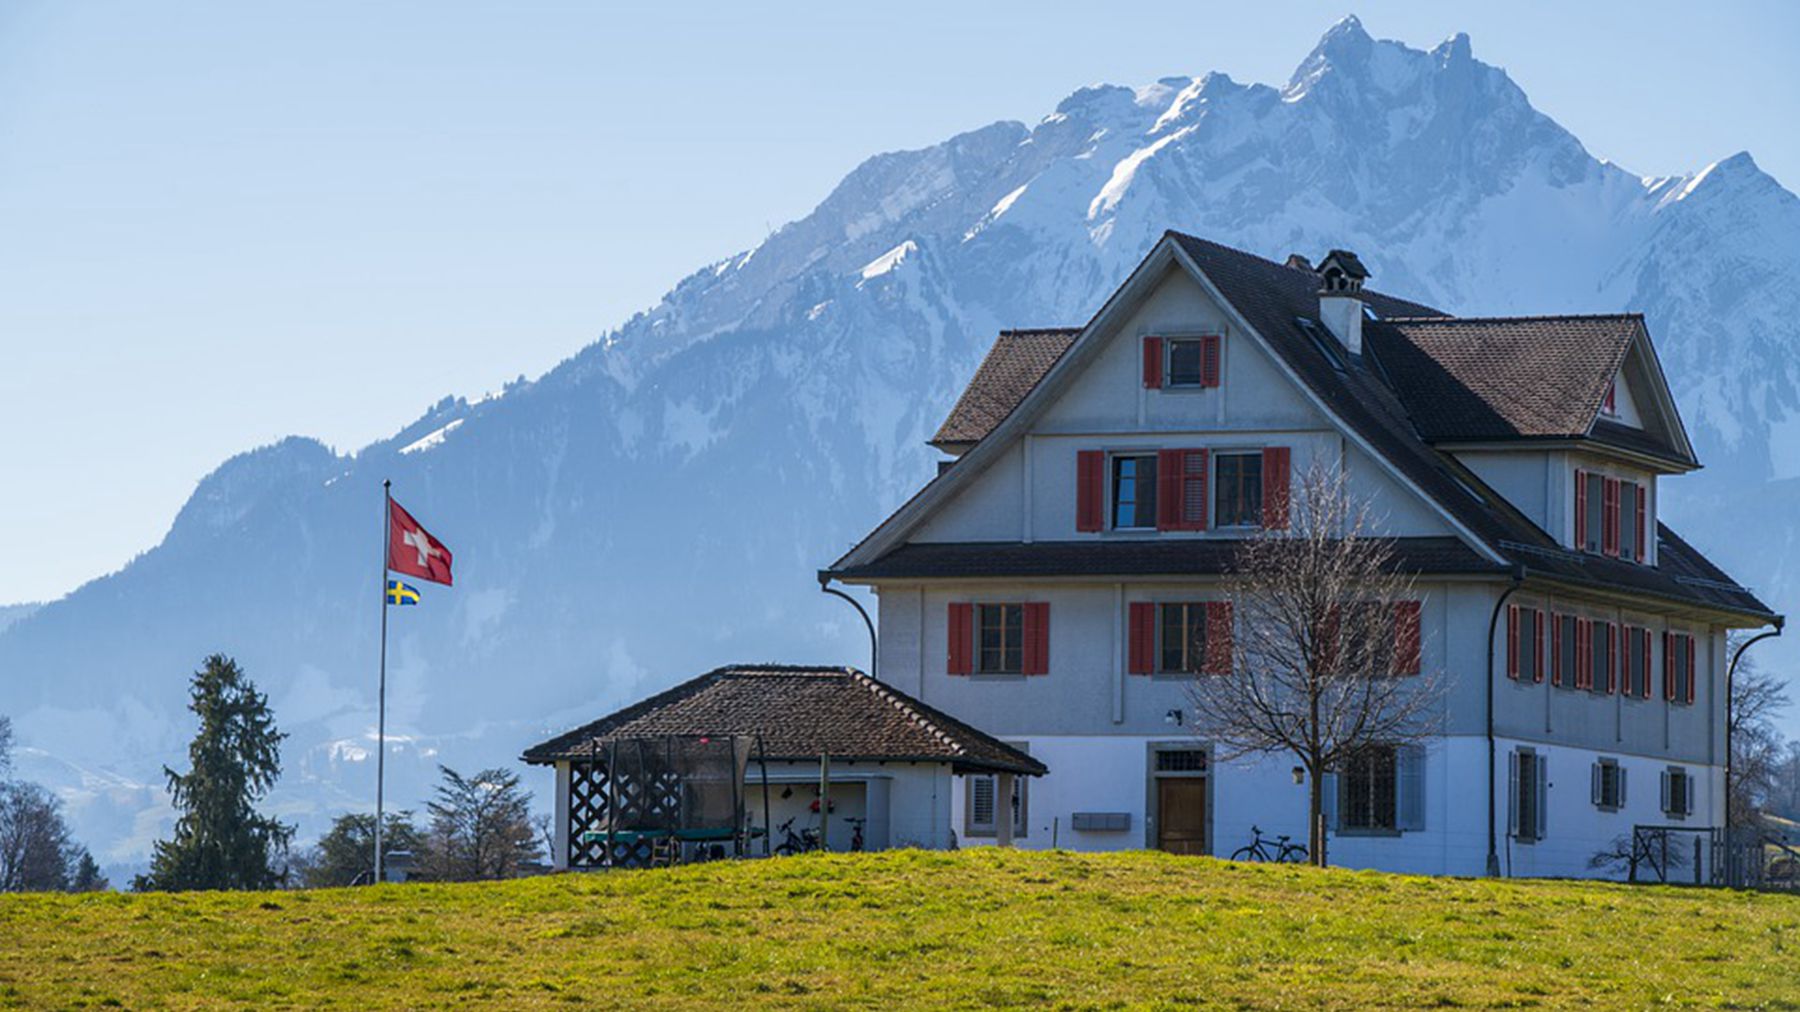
column 658, row 503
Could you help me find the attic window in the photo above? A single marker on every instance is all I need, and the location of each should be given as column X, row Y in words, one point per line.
column 1610, row 406
column 1327, row 345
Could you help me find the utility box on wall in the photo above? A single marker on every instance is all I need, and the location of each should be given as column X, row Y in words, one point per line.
column 1101, row 822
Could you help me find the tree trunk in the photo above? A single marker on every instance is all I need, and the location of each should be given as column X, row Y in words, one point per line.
column 1315, row 817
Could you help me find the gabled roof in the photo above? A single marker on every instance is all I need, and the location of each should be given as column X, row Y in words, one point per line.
column 799, row 713
column 1369, row 396
column 1483, row 379
column 1015, row 364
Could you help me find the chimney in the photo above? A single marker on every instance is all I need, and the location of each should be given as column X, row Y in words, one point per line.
column 1341, row 277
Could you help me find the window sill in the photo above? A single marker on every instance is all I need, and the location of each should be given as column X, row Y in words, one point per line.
column 987, row 834
column 1372, row 833
column 997, row 676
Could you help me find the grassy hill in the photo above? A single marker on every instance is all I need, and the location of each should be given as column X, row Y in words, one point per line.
column 907, row 930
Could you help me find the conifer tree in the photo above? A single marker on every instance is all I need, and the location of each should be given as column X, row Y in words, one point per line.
column 221, row 842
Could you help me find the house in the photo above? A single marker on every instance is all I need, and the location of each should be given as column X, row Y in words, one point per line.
column 1058, row 581
column 889, row 763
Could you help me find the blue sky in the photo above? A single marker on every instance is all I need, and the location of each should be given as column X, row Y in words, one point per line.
column 224, row 223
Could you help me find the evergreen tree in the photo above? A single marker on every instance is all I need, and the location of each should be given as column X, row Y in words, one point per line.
column 85, row 875
column 221, row 842
column 347, row 851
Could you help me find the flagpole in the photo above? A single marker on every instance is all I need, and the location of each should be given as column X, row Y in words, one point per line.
column 387, row 512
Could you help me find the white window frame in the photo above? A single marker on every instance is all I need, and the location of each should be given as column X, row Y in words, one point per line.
column 1214, row 455
column 1112, row 489
column 1021, row 800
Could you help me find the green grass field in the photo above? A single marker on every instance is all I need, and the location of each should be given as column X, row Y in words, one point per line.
column 980, row 928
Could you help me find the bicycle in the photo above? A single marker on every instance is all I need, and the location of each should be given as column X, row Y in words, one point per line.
column 856, row 837
column 796, row 843
column 1259, row 849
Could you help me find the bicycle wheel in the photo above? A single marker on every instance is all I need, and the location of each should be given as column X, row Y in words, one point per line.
column 1249, row 854
column 1293, row 853
column 786, row 850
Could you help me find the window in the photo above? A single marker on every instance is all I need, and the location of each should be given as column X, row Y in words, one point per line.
column 1182, row 647
column 979, row 799
column 1637, row 662
column 1677, row 793
column 1628, row 526
column 1609, row 785
column 1678, row 667
column 1000, row 635
column 1563, row 663
column 1610, row 405
column 1238, row 484
column 1184, row 362
column 1184, row 760
column 1525, row 644
column 1369, row 790
column 1134, row 491
column 1526, row 789
column 1610, row 516
column 1601, row 673
column 1593, row 530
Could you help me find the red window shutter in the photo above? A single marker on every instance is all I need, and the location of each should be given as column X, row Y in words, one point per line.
column 1153, row 363
column 1037, row 638
column 1168, row 489
column 1193, row 490
column 1140, row 635
column 1556, row 667
column 962, row 638
column 1637, row 543
column 1328, row 631
column 1612, row 397
column 1512, row 642
column 1644, row 668
column 1218, row 639
column 1209, row 361
column 1407, row 649
column 1275, row 487
column 1668, row 667
column 1693, row 677
column 1090, row 486
column 1537, row 646
column 1584, row 653
column 1581, row 508
column 1614, row 637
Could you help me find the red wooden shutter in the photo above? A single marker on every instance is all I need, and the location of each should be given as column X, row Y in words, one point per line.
column 1644, row 668
column 962, row 638
column 1090, row 484
column 1612, row 397
column 1668, row 667
column 1037, row 638
column 1692, row 676
column 1140, row 636
column 1275, row 487
column 1168, row 489
column 1406, row 638
column 1584, row 653
column 1328, row 631
column 1556, row 667
column 1537, row 646
column 1581, row 508
column 1209, row 361
column 1193, row 490
column 1512, row 642
column 1218, row 639
column 1153, row 363
column 1637, row 543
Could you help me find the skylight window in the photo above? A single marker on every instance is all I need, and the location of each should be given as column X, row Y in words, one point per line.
column 1326, row 344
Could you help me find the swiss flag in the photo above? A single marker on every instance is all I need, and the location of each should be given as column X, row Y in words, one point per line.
column 412, row 550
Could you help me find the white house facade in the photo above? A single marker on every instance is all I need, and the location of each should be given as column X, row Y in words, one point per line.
column 1060, row 583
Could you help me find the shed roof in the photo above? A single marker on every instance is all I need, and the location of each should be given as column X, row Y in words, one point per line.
column 799, row 713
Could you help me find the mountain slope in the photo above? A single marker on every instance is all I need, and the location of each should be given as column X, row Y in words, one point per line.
column 657, row 504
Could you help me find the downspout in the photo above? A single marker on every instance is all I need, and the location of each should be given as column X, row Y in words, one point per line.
column 1730, row 670
column 874, row 649
column 1493, row 854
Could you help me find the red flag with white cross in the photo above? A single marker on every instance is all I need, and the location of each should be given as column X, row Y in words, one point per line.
column 412, row 550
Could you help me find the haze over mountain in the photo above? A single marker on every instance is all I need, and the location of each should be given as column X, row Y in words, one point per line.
column 658, row 503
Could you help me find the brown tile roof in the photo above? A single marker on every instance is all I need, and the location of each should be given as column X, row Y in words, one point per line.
column 1468, row 378
column 799, row 712
column 1013, row 366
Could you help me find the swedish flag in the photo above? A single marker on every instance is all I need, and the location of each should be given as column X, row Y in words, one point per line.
column 402, row 593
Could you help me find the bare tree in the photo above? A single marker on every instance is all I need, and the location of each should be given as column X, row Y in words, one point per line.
column 1784, row 798
column 480, row 826
column 35, row 848
column 1757, row 747
column 6, row 740
column 1325, row 660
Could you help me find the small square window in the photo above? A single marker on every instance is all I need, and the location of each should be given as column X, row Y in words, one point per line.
column 1134, row 491
column 1186, row 362
column 1609, row 785
column 1677, row 793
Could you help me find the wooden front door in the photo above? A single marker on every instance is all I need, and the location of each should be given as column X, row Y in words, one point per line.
column 1181, row 814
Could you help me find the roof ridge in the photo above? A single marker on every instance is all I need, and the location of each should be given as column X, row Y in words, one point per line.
column 782, row 669
column 1024, row 331
column 882, row 691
